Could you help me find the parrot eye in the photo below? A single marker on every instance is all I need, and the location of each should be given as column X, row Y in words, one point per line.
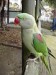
column 16, row 21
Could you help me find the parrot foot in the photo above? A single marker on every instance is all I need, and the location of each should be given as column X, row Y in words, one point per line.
column 33, row 60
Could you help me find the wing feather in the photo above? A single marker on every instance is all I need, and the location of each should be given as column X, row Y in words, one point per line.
column 39, row 44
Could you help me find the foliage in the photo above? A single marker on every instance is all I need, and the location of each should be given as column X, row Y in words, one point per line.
column 51, row 2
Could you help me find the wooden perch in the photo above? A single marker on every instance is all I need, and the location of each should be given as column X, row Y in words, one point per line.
column 35, row 68
column 32, row 67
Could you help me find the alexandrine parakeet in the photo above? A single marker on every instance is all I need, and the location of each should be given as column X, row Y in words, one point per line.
column 32, row 39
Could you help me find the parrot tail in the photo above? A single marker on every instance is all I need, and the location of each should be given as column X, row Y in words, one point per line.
column 50, row 53
column 46, row 63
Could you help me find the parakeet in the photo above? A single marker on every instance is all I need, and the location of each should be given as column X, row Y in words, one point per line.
column 32, row 39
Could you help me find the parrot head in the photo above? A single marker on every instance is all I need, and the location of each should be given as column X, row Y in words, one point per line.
column 24, row 20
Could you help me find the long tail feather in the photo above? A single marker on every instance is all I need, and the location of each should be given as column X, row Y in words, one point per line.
column 46, row 63
column 50, row 53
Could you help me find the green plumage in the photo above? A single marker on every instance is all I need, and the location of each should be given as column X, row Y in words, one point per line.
column 33, row 40
column 40, row 46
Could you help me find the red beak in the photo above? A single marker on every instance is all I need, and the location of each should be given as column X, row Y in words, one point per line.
column 16, row 21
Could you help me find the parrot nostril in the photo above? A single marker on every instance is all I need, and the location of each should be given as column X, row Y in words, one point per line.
column 16, row 21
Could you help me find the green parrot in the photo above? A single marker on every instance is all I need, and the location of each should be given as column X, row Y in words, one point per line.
column 32, row 39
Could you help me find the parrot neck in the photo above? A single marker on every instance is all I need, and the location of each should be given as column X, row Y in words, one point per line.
column 30, row 31
column 27, row 30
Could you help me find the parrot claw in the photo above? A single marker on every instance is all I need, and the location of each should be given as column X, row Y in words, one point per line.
column 33, row 60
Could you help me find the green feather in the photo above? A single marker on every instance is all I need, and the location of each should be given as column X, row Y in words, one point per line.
column 40, row 46
column 35, row 45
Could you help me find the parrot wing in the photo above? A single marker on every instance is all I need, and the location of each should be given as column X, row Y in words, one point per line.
column 40, row 46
